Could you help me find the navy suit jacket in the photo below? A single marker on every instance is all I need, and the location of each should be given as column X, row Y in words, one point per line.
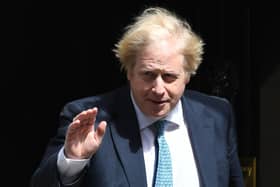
column 119, row 160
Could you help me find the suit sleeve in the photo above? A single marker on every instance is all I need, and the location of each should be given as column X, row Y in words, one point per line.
column 47, row 175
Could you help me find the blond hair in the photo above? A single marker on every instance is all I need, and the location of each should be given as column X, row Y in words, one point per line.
column 149, row 27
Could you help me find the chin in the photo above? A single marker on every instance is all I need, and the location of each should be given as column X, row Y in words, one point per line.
column 156, row 110
column 159, row 113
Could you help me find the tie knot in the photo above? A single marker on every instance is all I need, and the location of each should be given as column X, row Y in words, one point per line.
column 160, row 125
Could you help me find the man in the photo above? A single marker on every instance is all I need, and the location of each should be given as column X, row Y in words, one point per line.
column 111, row 139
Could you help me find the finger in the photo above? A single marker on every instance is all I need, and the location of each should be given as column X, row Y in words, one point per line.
column 100, row 131
column 76, row 127
column 92, row 115
column 82, row 115
column 75, row 124
column 87, row 116
column 79, row 116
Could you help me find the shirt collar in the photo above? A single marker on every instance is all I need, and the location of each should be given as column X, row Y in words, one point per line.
column 175, row 116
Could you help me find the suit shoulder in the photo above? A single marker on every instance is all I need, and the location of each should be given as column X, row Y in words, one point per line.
column 207, row 100
column 102, row 101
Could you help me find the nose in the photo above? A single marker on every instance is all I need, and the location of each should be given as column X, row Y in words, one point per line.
column 158, row 86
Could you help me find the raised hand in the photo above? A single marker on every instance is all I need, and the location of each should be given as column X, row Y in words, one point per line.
column 82, row 141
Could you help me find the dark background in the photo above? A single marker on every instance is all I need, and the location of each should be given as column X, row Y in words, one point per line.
column 65, row 52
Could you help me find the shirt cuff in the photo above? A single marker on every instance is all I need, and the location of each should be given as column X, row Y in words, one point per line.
column 69, row 169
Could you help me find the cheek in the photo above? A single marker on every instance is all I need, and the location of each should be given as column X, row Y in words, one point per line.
column 176, row 91
column 138, row 86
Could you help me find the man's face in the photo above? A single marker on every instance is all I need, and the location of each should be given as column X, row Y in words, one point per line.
column 158, row 78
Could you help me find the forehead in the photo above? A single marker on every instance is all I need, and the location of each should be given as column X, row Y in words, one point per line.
column 163, row 55
column 165, row 45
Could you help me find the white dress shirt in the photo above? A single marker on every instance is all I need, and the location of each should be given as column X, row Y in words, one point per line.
column 183, row 163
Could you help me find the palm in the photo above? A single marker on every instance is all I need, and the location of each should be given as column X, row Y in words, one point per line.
column 82, row 141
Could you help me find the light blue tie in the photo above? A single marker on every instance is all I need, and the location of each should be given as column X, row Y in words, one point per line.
column 164, row 166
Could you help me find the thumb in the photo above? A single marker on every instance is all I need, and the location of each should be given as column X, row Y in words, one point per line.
column 101, row 129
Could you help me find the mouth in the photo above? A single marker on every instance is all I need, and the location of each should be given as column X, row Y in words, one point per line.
column 158, row 102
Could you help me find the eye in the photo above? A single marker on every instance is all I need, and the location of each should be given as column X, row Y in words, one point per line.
column 168, row 77
column 149, row 74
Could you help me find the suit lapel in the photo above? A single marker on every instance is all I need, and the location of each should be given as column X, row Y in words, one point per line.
column 127, row 140
column 201, row 131
column 126, row 137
